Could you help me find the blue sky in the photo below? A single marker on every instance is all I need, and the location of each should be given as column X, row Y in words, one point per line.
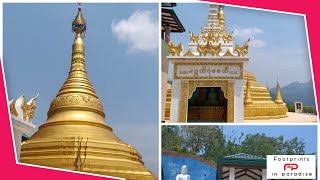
column 278, row 45
column 309, row 135
column 121, row 60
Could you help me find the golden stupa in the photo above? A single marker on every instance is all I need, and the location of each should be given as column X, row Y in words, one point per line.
column 75, row 135
column 258, row 104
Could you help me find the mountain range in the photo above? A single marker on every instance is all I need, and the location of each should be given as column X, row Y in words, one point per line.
column 297, row 91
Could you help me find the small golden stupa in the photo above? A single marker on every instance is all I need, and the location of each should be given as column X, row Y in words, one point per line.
column 75, row 135
column 258, row 104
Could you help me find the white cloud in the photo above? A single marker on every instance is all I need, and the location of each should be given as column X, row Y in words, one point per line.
column 257, row 43
column 251, row 32
column 245, row 33
column 139, row 31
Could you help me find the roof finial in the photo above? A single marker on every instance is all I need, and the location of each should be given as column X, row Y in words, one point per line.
column 79, row 24
column 221, row 19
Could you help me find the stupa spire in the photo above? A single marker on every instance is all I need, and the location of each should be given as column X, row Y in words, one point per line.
column 77, row 92
column 247, row 98
column 79, row 24
column 76, row 112
column 278, row 99
column 221, row 19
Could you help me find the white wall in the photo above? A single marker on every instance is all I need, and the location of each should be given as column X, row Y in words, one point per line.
column 175, row 101
column 238, row 101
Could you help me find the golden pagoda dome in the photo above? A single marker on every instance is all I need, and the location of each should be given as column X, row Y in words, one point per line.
column 75, row 135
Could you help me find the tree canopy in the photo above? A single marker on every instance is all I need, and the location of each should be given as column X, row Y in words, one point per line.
column 210, row 142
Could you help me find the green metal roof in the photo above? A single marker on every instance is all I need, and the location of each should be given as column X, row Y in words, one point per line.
column 244, row 156
column 240, row 160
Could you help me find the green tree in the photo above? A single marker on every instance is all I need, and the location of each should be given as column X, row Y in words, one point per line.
column 171, row 139
column 216, row 144
column 197, row 138
column 293, row 146
column 262, row 145
column 211, row 143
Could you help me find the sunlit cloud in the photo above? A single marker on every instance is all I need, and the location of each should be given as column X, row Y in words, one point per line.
column 251, row 32
column 139, row 32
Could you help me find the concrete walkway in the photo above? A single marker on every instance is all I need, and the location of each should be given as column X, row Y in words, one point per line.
column 292, row 118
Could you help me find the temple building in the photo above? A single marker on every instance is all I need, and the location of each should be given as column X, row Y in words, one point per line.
column 75, row 135
column 170, row 23
column 210, row 83
column 22, row 113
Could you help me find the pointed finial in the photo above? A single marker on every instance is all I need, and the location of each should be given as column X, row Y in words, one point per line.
column 278, row 98
column 221, row 8
column 79, row 24
column 221, row 19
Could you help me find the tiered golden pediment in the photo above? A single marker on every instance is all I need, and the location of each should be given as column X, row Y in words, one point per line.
column 211, row 40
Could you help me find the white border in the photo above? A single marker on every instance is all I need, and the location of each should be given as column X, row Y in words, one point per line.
column 159, row 78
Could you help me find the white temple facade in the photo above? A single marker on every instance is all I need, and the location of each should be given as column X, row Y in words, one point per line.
column 22, row 113
column 210, row 61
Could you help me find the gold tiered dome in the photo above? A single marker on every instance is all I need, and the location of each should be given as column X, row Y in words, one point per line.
column 75, row 136
column 261, row 106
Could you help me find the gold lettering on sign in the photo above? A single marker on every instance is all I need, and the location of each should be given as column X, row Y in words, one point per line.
column 225, row 70
column 208, row 70
column 195, row 73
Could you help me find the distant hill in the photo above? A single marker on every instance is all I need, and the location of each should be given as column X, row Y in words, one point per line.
column 297, row 92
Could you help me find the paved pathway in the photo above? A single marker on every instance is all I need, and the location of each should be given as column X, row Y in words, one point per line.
column 292, row 118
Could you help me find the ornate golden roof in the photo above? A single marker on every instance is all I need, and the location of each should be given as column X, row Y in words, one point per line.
column 75, row 135
column 212, row 34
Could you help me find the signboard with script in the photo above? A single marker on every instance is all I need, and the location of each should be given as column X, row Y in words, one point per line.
column 208, row 71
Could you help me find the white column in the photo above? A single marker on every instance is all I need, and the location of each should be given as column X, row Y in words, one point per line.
column 175, row 101
column 238, row 101
column 17, row 133
column 232, row 173
column 264, row 174
column 19, row 128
